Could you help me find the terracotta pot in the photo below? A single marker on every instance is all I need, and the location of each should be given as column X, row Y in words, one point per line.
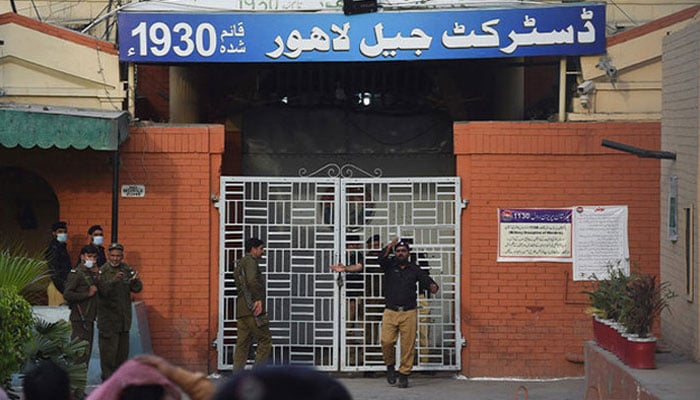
column 608, row 335
column 621, row 342
column 615, row 339
column 598, row 331
column 640, row 352
column 625, row 346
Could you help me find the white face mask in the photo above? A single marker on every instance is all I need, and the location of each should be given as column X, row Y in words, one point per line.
column 89, row 263
column 61, row 237
column 98, row 240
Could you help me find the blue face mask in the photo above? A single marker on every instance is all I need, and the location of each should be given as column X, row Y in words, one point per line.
column 62, row 237
column 98, row 240
column 89, row 263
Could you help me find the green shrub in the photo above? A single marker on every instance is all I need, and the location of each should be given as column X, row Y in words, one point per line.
column 52, row 341
column 16, row 323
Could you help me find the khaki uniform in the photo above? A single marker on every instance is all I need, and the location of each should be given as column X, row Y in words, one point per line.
column 83, row 308
column 245, row 322
column 114, row 315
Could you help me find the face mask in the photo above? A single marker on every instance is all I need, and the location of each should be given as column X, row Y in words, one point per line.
column 89, row 263
column 61, row 237
column 98, row 240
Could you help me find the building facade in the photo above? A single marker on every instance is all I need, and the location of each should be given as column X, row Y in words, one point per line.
column 517, row 319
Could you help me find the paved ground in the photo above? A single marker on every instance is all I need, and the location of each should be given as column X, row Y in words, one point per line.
column 422, row 387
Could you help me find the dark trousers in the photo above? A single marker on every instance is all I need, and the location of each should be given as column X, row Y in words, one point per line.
column 114, row 350
column 83, row 331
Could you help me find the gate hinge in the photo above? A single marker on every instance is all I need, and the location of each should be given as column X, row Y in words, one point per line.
column 463, row 342
column 215, row 199
column 464, row 204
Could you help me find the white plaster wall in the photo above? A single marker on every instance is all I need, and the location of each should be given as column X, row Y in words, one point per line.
column 680, row 129
column 55, row 71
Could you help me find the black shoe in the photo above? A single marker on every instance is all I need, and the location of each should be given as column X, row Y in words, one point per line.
column 403, row 381
column 390, row 374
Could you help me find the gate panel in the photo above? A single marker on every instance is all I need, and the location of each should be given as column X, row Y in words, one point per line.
column 424, row 211
column 288, row 215
column 332, row 320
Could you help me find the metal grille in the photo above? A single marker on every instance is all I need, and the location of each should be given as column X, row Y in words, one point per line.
column 327, row 319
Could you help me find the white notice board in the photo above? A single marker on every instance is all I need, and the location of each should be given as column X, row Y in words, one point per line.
column 600, row 240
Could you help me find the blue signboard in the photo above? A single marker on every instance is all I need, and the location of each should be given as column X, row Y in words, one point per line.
column 227, row 37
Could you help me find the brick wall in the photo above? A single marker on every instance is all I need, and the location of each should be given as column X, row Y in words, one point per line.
column 153, row 92
column 170, row 235
column 527, row 319
column 679, row 131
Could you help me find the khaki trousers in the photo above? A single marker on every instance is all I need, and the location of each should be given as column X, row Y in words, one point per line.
column 247, row 331
column 393, row 324
column 423, row 329
column 55, row 297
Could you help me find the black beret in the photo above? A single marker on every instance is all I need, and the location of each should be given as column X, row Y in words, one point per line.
column 403, row 243
column 94, row 228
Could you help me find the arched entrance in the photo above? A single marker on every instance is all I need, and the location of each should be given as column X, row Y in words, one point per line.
column 28, row 207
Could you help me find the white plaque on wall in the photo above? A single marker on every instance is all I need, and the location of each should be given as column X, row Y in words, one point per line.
column 133, row 190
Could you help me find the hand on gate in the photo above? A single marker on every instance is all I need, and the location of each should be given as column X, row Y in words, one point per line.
column 338, row 267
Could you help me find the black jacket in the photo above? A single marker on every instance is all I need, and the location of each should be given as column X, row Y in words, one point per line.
column 59, row 263
column 400, row 283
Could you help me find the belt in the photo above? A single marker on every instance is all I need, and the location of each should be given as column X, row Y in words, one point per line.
column 401, row 308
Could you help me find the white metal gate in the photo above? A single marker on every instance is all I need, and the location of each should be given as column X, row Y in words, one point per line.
column 332, row 320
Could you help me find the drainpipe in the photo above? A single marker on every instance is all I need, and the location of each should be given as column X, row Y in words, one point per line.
column 562, row 89
column 115, row 195
column 131, row 90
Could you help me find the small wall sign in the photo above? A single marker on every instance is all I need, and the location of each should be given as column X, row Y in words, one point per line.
column 133, row 190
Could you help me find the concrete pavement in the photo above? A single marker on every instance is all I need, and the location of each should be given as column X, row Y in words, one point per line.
column 446, row 386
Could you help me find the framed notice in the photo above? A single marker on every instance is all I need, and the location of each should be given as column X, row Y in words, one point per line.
column 600, row 241
column 673, row 209
column 535, row 234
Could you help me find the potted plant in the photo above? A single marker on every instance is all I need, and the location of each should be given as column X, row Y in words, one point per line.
column 607, row 302
column 647, row 298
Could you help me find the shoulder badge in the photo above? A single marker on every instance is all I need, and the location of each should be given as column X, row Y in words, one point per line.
column 73, row 270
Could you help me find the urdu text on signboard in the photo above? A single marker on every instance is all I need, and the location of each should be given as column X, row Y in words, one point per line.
column 232, row 37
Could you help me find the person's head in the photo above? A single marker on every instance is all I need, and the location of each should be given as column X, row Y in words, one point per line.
column 374, row 242
column 282, row 382
column 115, row 254
column 46, row 381
column 142, row 392
column 88, row 255
column 353, row 242
column 134, row 380
column 97, row 235
column 402, row 250
column 255, row 247
column 59, row 230
column 355, row 194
